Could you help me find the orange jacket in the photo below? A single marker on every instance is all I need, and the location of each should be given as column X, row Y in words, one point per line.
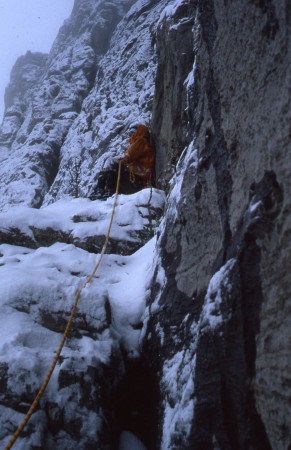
column 140, row 156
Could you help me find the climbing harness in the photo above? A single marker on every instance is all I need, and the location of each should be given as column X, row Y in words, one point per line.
column 68, row 326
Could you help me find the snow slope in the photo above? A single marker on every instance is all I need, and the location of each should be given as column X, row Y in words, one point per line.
column 37, row 289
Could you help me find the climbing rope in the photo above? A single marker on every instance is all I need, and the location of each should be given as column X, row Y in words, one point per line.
column 65, row 334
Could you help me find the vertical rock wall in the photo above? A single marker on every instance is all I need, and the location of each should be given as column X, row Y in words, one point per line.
column 220, row 314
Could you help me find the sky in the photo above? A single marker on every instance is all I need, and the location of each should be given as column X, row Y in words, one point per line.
column 27, row 25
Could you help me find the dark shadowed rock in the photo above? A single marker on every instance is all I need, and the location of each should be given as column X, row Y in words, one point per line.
column 231, row 203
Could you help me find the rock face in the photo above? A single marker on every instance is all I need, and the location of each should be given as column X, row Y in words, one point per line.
column 206, row 365
column 224, row 245
column 36, row 121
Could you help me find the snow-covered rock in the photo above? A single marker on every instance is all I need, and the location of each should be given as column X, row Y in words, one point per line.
column 84, row 223
column 37, row 289
column 183, row 343
column 49, row 91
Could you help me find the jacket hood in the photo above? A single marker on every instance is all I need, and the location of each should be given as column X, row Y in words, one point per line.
column 142, row 131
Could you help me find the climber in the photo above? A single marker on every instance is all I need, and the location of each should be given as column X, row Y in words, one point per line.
column 138, row 161
column 139, row 158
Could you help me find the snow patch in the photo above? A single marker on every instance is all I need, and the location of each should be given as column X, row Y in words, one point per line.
column 128, row 289
column 188, row 160
column 191, row 76
column 211, row 316
column 170, row 10
column 178, row 386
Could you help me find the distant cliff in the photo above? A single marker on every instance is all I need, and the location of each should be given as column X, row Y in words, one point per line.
column 184, row 337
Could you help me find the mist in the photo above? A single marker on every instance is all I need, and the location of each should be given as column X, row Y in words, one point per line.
column 27, row 25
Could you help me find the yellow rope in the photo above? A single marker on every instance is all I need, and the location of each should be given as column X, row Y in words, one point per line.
column 65, row 334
